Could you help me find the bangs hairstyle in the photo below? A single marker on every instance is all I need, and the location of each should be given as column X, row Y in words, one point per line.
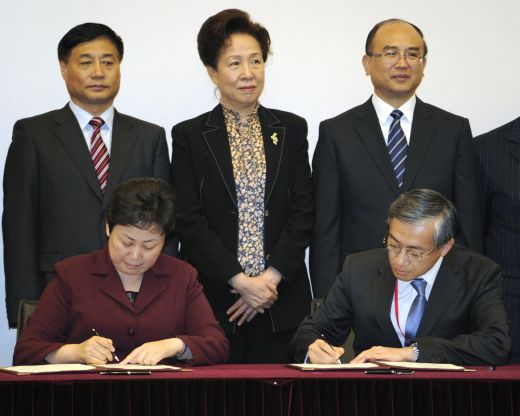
column 143, row 203
column 216, row 31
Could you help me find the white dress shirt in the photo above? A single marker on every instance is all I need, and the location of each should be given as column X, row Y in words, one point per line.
column 383, row 111
column 406, row 294
column 84, row 117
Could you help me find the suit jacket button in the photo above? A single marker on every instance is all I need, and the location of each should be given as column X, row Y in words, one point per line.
column 131, row 332
column 266, row 213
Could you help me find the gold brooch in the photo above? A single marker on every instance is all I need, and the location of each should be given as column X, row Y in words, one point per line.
column 274, row 138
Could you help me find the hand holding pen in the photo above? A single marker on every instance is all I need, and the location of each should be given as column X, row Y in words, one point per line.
column 322, row 352
column 102, row 348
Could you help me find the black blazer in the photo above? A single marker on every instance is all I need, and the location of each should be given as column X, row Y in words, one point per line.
column 354, row 182
column 499, row 152
column 464, row 321
column 207, row 223
column 53, row 206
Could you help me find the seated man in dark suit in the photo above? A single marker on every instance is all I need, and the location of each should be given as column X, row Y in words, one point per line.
column 63, row 165
column 420, row 299
column 499, row 152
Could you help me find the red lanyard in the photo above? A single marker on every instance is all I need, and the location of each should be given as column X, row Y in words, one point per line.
column 396, row 307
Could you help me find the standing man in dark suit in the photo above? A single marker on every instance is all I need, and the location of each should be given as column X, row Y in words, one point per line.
column 499, row 152
column 420, row 299
column 392, row 143
column 62, row 165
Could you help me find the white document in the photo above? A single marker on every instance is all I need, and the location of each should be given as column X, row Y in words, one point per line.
column 421, row 366
column 336, row 367
column 379, row 364
column 71, row 368
column 47, row 368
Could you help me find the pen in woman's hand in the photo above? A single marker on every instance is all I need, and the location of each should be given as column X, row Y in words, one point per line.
column 96, row 333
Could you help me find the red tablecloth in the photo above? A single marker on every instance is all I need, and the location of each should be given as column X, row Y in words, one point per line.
column 264, row 390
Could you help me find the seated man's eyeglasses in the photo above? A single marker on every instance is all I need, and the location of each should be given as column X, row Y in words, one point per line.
column 412, row 254
column 392, row 56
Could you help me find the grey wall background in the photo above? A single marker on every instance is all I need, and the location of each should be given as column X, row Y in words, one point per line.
column 315, row 70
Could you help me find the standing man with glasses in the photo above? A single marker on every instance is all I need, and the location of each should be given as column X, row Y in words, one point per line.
column 423, row 298
column 392, row 143
column 63, row 165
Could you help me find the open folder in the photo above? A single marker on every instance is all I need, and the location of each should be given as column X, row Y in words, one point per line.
column 398, row 365
column 73, row 368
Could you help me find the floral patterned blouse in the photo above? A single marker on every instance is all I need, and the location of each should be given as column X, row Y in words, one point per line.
column 248, row 160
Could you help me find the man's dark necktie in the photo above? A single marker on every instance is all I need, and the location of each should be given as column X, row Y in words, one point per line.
column 397, row 146
column 416, row 311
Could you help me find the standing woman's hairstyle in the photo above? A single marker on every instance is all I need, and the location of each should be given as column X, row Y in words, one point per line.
column 217, row 30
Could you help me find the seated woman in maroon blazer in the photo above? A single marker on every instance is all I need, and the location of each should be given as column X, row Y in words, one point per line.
column 146, row 307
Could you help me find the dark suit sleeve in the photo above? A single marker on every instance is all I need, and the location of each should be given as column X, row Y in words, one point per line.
column 161, row 165
column 489, row 342
column 288, row 253
column 333, row 319
column 325, row 244
column 486, row 188
column 204, row 337
column 204, row 246
column 466, row 191
column 19, row 221
column 161, row 169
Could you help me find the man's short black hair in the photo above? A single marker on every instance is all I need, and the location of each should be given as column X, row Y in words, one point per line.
column 85, row 33
column 372, row 34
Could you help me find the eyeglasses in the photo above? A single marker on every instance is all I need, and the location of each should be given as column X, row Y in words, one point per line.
column 413, row 255
column 392, row 56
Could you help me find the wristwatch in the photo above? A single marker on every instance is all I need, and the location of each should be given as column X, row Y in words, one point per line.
column 415, row 351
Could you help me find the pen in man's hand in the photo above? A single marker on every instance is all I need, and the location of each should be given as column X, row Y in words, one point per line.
column 333, row 348
column 96, row 333
column 325, row 339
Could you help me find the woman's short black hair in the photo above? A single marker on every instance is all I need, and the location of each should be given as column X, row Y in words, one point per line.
column 217, row 30
column 87, row 32
column 143, row 203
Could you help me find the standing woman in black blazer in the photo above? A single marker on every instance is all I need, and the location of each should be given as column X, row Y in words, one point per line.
column 242, row 177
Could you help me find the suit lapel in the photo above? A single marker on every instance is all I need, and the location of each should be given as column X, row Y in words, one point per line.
column 123, row 141
column 67, row 130
column 382, row 293
column 111, row 285
column 444, row 288
column 216, row 138
column 274, row 144
column 369, row 130
column 423, row 129
column 151, row 287
column 514, row 139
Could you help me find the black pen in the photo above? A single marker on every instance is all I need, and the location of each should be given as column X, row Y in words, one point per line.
column 390, row 371
column 328, row 343
column 325, row 339
column 97, row 334
column 125, row 373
